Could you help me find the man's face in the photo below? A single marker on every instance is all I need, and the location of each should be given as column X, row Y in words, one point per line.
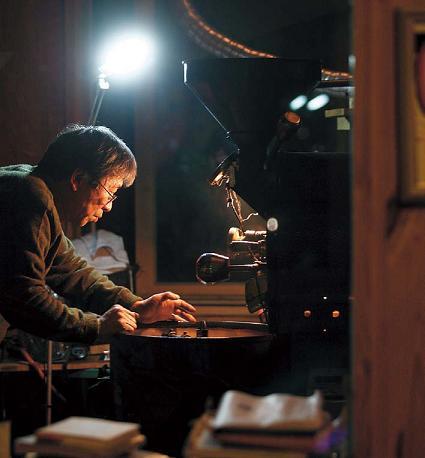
column 92, row 200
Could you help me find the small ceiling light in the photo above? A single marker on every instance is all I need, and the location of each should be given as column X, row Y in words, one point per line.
column 298, row 102
column 352, row 62
column 318, row 102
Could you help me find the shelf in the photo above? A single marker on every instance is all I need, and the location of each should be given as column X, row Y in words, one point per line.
column 90, row 362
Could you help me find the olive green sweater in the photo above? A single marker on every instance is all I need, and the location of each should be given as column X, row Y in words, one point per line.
column 36, row 258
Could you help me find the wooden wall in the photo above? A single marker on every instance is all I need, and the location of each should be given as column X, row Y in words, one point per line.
column 44, row 77
column 389, row 255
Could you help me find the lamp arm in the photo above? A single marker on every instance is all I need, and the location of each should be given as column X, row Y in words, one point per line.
column 100, row 93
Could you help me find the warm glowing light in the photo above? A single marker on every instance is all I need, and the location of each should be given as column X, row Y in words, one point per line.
column 307, row 313
column 335, row 314
column 218, row 179
column 292, row 117
column 318, row 102
column 214, row 34
column 298, row 102
column 127, row 56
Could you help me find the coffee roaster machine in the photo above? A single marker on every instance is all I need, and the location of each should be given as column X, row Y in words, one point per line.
column 297, row 270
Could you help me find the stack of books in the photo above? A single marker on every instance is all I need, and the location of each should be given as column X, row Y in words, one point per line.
column 277, row 425
column 202, row 443
column 82, row 437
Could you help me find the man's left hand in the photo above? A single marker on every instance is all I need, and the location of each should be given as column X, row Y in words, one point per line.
column 162, row 307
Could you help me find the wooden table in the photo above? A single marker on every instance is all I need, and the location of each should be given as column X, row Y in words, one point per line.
column 90, row 362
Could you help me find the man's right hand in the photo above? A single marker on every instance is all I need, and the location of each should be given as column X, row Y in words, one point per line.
column 164, row 306
column 116, row 319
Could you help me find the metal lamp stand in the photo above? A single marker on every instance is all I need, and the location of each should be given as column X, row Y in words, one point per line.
column 49, row 376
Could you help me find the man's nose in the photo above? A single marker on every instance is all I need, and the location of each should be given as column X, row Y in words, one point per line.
column 108, row 206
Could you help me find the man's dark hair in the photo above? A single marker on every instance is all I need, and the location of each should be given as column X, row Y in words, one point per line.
column 95, row 150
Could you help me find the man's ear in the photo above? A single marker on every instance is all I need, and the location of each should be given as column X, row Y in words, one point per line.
column 76, row 179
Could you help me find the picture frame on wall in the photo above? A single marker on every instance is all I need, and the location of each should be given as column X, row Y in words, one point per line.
column 411, row 105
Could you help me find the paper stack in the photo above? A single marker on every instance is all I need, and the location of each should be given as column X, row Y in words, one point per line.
column 82, row 437
column 276, row 421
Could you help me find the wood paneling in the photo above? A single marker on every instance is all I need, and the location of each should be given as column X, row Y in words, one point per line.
column 43, row 73
column 389, row 261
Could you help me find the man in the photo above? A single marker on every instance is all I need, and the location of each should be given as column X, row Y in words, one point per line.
column 75, row 182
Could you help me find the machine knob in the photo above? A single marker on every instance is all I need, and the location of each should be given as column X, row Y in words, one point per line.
column 212, row 267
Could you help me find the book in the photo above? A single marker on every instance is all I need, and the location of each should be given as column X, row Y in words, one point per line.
column 30, row 444
column 94, row 436
column 333, row 436
column 202, row 443
column 240, row 412
column 302, row 443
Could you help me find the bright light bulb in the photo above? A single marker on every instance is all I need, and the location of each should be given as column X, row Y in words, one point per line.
column 298, row 102
column 318, row 102
column 127, row 56
column 103, row 82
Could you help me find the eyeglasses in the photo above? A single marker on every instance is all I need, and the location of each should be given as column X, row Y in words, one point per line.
column 112, row 196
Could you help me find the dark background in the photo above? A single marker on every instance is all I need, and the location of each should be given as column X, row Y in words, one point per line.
column 40, row 43
column 189, row 144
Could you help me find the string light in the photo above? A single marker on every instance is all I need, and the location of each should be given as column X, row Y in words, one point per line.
column 223, row 46
column 200, row 24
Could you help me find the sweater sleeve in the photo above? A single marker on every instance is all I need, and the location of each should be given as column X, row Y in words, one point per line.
column 35, row 255
column 71, row 277
column 26, row 302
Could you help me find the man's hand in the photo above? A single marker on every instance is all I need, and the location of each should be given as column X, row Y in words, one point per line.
column 164, row 306
column 116, row 319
